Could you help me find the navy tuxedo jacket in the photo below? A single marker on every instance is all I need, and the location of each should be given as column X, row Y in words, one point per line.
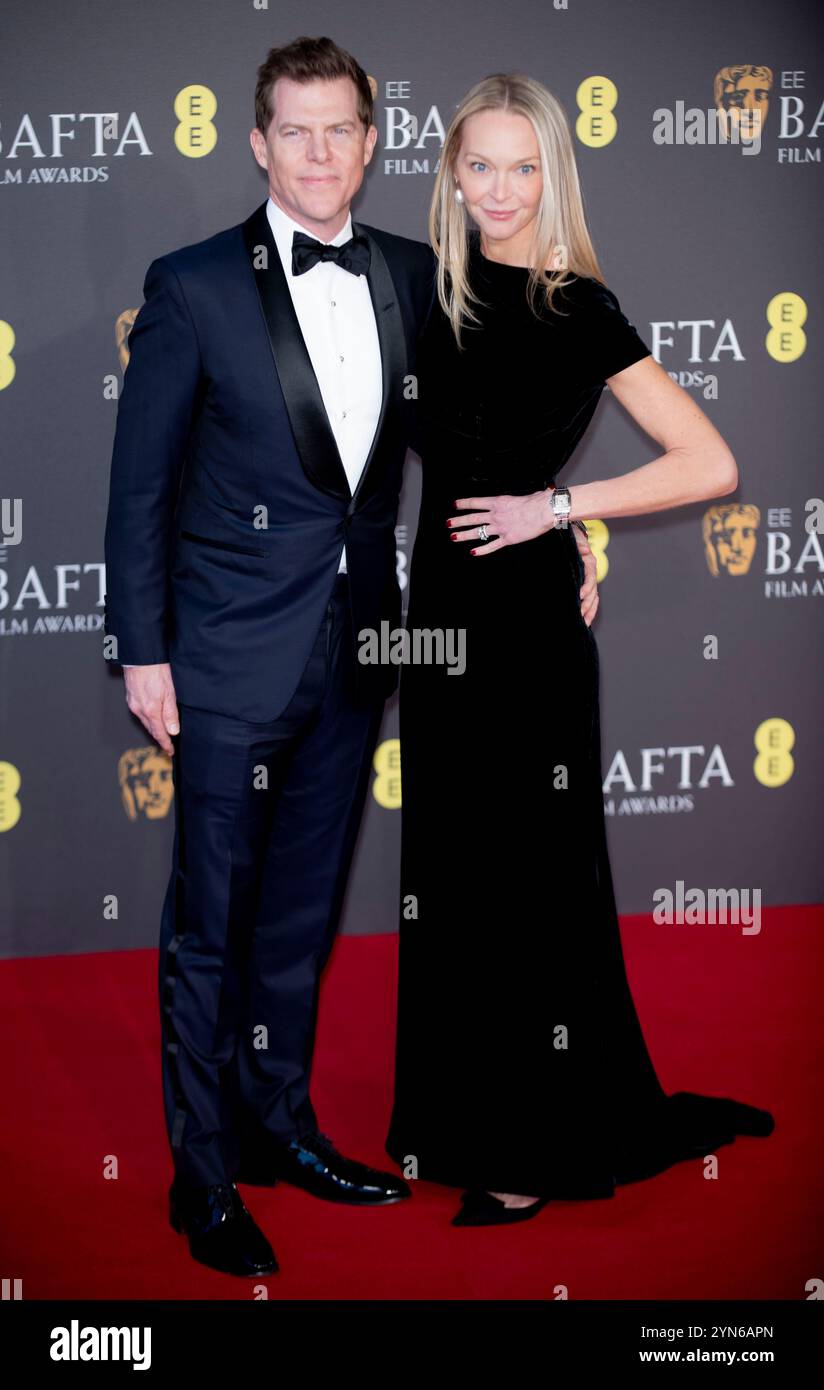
column 221, row 417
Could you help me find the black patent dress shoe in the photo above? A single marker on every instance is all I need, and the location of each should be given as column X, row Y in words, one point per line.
column 480, row 1208
column 313, row 1163
column 222, row 1233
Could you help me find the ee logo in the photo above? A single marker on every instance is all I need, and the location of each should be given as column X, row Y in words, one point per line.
column 10, row 807
column 195, row 133
column 386, row 787
column 596, row 126
column 7, row 365
column 786, row 339
column 774, row 764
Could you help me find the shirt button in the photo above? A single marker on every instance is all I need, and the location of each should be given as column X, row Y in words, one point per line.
column 332, row 302
column 341, row 357
column 343, row 414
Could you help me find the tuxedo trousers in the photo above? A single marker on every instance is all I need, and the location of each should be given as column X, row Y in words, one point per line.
column 266, row 820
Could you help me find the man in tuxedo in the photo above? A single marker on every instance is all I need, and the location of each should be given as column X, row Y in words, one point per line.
column 256, row 469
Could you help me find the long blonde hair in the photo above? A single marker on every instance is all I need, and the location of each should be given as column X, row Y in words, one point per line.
column 560, row 229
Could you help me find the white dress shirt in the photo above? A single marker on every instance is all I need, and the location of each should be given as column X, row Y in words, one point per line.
column 337, row 320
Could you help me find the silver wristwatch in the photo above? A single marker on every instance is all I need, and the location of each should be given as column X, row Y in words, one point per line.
column 561, row 506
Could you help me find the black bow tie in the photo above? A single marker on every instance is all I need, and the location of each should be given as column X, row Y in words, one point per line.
column 353, row 255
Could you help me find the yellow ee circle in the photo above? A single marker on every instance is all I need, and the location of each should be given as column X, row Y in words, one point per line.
column 195, row 134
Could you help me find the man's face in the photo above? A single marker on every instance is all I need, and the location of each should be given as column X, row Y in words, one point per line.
column 315, row 151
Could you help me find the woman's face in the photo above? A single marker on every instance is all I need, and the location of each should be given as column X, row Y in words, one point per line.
column 499, row 173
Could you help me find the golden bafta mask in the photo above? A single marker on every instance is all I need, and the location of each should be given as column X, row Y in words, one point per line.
column 742, row 100
column 146, row 786
column 122, row 329
column 730, row 535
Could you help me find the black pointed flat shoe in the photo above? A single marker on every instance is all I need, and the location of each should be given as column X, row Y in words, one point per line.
column 479, row 1208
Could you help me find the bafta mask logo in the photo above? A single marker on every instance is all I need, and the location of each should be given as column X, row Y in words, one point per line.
column 122, row 329
column 146, row 786
column 742, row 99
column 730, row 534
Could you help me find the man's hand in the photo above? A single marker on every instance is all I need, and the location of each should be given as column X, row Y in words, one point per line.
column 150, row 694
column 590, row 597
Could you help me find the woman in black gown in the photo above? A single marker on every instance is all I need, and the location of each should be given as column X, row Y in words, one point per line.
column 522, row 1072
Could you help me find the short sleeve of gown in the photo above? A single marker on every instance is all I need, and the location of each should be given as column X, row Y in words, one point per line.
column 612, row 342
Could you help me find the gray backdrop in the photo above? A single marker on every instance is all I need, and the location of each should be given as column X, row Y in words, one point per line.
column 687, row 232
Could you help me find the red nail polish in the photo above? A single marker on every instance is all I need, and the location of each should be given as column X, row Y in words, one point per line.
column 453, row 537
column 474, row 552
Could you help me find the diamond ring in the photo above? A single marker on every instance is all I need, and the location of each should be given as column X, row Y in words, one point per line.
column 482, row 533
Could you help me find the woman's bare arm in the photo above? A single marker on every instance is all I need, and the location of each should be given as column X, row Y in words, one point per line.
column 696, row 463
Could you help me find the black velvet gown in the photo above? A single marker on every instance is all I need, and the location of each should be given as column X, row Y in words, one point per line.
column 520, row 1061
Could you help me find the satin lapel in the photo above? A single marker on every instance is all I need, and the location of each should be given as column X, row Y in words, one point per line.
column 393, row 348
column 317, row 449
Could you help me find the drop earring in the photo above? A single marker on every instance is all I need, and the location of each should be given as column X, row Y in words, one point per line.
column 459, row 197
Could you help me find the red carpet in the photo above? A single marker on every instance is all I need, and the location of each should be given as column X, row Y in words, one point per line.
column 722, row 1013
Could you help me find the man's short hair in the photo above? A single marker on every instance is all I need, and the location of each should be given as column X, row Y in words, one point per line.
column 308, row 60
